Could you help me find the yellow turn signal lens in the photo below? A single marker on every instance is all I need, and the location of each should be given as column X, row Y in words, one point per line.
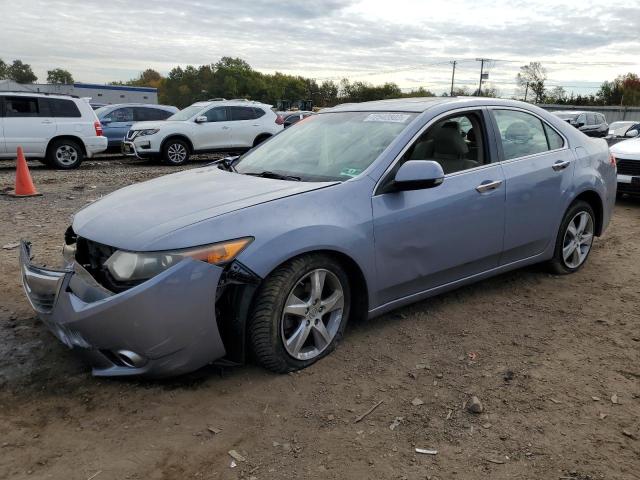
column 222, row 252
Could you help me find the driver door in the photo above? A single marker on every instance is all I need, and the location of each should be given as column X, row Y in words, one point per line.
column 215, row 133
column 431, row 237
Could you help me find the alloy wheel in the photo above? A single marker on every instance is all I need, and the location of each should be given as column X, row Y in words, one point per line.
column 66, row 155
column 177, row 153
column 312, row 314
column 578, row 239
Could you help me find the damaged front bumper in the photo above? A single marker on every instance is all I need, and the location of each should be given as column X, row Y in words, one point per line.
column 164, row 326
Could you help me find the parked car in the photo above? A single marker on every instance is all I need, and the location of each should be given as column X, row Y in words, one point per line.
column 275, row 250
column 289, row 118
column 619, row 131
column 117, row 119
column 59, row 130
column 590, row 123
column 627, row 154
column 225, row 125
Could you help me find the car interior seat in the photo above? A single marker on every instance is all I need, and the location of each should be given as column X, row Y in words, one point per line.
column 450, row 150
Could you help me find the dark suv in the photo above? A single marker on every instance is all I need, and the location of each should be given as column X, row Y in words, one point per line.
column 590, row 123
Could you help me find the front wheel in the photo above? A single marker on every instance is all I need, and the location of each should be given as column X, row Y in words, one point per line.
column 575, row 239
column 300, row 313
column 175, row 152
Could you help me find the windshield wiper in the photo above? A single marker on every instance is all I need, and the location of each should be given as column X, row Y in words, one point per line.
column 274, row 175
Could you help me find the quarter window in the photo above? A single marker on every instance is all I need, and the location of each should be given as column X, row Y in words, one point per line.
column 21, row 107
column 523, row 134
column 242, row 113
column 63, row 108
column 553, row 138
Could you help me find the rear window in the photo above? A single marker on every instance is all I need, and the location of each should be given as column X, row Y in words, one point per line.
column 63, row 108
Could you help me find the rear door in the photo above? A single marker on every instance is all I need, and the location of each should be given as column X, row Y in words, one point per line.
column 116, row 125
column 27, row 123
column 215, row 133
column 538, row 168
column 246, row 125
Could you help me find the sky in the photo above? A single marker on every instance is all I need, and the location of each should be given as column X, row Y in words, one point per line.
column 410, row 42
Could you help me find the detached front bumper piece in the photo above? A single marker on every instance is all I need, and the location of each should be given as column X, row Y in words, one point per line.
column 162, row 327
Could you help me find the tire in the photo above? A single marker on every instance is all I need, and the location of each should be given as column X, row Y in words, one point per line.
column 283, row 342
column 175, row 152
column 64, row 154
column 259, row 139
column 572, row 233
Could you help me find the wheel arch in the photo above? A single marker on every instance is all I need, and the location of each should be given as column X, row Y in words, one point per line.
column 595, row 202
column 261, row 137
column 78, row 140
column 177, row 136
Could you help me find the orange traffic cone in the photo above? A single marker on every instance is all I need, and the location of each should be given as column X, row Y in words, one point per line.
column 24, row 184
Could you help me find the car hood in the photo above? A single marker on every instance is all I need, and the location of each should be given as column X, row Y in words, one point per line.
column 134, row 217
column 154, row 124
column 627, row 147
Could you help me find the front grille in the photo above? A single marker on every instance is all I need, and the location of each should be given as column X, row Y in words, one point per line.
column 43, row 302
column 629, row 167
column 131, row 134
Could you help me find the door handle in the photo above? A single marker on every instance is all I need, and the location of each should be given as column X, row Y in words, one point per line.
column 225, row 128
column 47, row 122
column 560, row 165
column 255, row 125
column 487, row 187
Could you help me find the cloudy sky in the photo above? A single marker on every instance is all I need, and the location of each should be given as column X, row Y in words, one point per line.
column 410, row 42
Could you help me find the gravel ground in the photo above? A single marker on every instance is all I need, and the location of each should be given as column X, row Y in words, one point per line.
column 553, row 360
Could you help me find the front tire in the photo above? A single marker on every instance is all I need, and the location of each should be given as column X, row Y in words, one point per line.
column 575, row 239
column 64, row 154
column 300, row 313
column 175, row 152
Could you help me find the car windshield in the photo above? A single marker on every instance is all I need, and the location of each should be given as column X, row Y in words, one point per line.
column 566, row 116
column 326, row 147
column 187, row 113
column 618, row 125
column 101, row 111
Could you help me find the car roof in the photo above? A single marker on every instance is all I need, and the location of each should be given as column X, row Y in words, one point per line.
column 420, row 104
column 232, row 103
column 150, row 105
column 40, row 94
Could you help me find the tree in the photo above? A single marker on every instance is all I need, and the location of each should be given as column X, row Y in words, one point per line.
column 3, row 69
column 487, row 91
column 532, row 77
column 557, row 95
column 21, row 72
column 59, row 76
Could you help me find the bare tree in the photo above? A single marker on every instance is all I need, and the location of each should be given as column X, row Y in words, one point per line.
column 531, row 79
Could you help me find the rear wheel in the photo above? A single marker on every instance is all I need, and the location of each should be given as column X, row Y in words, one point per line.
column 64, row 154
column 575, row 239
column 175, row 152
column 300, row 313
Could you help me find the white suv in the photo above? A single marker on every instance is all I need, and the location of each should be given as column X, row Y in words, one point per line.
column 59, row 130
column 225, row 125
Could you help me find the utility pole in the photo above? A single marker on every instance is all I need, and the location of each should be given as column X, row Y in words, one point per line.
column 526, row 90
column 453, row 75
column 481, row 60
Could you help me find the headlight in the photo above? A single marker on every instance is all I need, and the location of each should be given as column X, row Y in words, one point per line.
column 131, row 266
column 151, row 131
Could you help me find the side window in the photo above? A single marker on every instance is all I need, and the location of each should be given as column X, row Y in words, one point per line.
column 242, row 113
column 143, row 114
column 521, row 133
column 456, row 143
column 218, row 114
column 591, row 119
column 21, row 107
column 63, row 108
column 122, row 115
column 582, row 119
column 554, row 139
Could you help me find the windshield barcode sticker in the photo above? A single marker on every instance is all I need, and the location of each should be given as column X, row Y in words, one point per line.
column 388, row 117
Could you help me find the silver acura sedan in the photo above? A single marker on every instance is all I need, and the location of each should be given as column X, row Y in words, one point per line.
column 348, row 214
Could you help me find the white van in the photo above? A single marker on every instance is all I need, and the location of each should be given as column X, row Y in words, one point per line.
column 59, row 130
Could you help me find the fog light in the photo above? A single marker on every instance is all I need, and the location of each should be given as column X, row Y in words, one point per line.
column 130, row 359
column 144, row 145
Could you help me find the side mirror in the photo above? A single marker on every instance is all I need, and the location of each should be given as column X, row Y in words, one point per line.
column 417, row 175
column 579, row 124
column 201, row 119
column 631, row 133
column 106, row 121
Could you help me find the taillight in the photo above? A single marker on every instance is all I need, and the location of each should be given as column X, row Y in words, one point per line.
column 98, row 126
column 279, row 120
column 612, row 160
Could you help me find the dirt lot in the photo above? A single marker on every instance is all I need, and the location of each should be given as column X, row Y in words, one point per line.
column 554, row 360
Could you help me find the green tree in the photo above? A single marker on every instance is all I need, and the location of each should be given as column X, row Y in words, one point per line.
column 531, row 79
column 21, row 72
column 557, row 95
column 59, row 76
column 3, row 69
